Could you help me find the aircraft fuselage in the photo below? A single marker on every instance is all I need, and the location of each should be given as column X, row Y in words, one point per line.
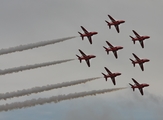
column 115, row 48
column 113, row 74
column 141, row 38
column 141, row 85
column 89, row 34
column 141, row 61
column 87, row 57
column 117, row 22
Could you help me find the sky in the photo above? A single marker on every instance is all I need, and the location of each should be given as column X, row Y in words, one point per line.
column 25, row 22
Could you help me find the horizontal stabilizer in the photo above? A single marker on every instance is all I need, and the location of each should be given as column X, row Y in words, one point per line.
column 108, row 24
column 106, row 49
column 81, row 35
column 105, row 76
column 133, row 62
column 132, row 39
column 79, row 58
column 132, row 86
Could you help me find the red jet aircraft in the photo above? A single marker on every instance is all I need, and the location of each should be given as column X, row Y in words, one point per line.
column 114, row 22
column 139, row 61
column 139, row 38
column 139, row 86
column 85, row 57
column 112, row 48
column 111, row 75
column 87, row 34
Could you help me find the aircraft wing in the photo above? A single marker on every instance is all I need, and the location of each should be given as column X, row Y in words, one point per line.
column 108, row 71
column 141, row 66
column 110, row 45
column 135, row 81
column 112, row 19
column 83, row 54
column 136, row 57
column 88, row 63
column 142, row 44
column 84, row 29
column 137, row 35
column 113, row 80
column 90, row 39
column 141, row 90
column 117, row 28
column 115, row 54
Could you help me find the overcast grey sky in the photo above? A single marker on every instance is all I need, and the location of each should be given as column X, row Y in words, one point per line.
column 24, row 22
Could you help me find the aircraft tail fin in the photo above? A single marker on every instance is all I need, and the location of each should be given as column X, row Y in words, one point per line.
column 106, row 49
column 108, row 24
column 132, row 87
column 133, row 62
column 132, row 39
column 79, row 58
column 105, row 76
column 81, row 35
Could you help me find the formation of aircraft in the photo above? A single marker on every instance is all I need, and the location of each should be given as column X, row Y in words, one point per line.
column 139, row 61
column 85, row 57
column 139, row 86
column 115, row 49
column 112, row 48
column 110, row 75
column 139, row 38
column 114, row 22
column 87, row 34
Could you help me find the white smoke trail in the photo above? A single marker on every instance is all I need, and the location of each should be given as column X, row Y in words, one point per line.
column 44, row 88
column 59, row 98
column 33, row 45
column 28, row 67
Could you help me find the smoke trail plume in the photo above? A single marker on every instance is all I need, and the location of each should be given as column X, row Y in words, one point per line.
column 32, row 45
column 28, row 67
column 59, row 98
column 44, row 88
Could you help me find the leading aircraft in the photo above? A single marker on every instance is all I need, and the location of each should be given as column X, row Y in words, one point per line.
column 85, row 57
column 139, row 38
column 87, row 34
column 114, row 22
column 112, row 48
column 139, row 86
column 111, row 75
column 139, row 61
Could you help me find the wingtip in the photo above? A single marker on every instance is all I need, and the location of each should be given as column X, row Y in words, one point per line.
column 133, row 79
column 108, row 15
